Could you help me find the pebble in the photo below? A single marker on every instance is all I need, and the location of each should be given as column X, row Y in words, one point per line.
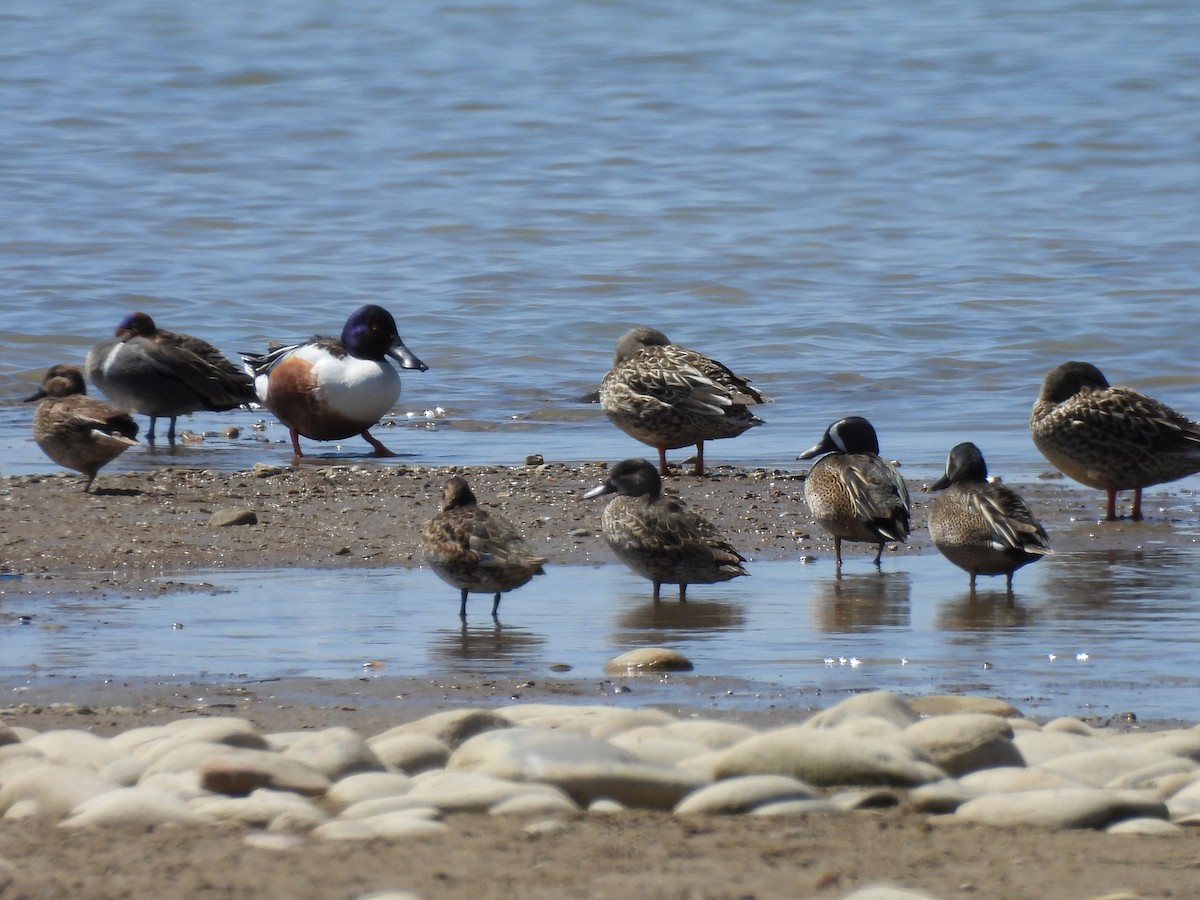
column 976, row 762
column 234, row 515
column 648, row 659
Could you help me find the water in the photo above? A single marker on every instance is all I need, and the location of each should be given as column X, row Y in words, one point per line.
column 1093, row 632
column 906, row 211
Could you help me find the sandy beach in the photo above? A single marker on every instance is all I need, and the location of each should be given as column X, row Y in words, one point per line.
column 141, row 527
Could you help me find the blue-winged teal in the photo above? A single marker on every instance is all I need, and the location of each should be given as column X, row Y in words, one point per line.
column 474, row 550
column 1111, row 438
column 163, row 374
column 328, row 389
column 856, row 495
column 979, row 526
column 78, row 431
column 657, row 537
column 668, row 396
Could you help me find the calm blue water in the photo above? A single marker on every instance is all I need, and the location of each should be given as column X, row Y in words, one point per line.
column 1090, row 633
column 907, row 211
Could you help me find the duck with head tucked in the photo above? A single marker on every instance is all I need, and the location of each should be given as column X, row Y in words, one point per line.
column 474, row 550
column 165, row 374
column 329, row 389
column 669, row 397
column 854, row 493
column 1111, row 438
column 657, row 536
column 982, row 527
column 77, row 431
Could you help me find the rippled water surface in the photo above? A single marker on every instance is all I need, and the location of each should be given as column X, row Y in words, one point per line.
column 906, row 211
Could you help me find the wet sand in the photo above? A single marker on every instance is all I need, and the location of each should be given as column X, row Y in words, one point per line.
column 140, row 528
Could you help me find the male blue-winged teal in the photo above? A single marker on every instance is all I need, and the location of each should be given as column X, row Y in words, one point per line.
column 659, row 538
column 475, row 550
column 77, row 431
column 856, row 495
column 1112, row 438
column 979, row 526
column 328, row 389
column 668, row 396
column 164, row 374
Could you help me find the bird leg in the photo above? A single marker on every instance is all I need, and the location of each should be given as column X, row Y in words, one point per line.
column 1136, row 515
column 495, row 604
column 657, row 589
column 296, row 442
column 662, row 462
column 683, row 593
column 698, row 468
column 462, row 608
column 879, row 556
column 171, row 432
column 380, row 450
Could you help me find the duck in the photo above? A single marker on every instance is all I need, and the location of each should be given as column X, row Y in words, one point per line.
column 165, row 374
column 77, row 431
column 668, row 396
column 1111, row 438
column 327, row 388
column 475, row 550
column 854, row 493
column 657, row 536
column 982, row 527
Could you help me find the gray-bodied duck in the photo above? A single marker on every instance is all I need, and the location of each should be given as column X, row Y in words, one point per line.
column 1111, row 438
column 669, row 397
column 474, row 550
column 165, row 374
column 77, row 431
column 982, row 527
column 854, row 493
column 657, row 536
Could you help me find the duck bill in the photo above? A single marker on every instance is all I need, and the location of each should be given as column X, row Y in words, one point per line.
column 37, row 396
column 598, row 491
column 406, row 358
column 943, row 482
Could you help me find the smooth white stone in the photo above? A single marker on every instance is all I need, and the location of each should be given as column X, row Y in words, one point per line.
column 463, row 791
column 410, row 753
column 797, row 808
column 24, row 809
column 596, row 721
column 79, row 749
column 1042, row 746
column 229, row 730
column 366, row 786
column 365, row 809
column 335, row 753
column 389, row 895
column 953, row 704
column 1184, row 802
column 56, row 789
column 1061, row 808
column 134, row 739
column 389, row 825
column 1148, row 777
column 133, row 806
column 939, row 797
column 233, row 770
column 126, row 771
column 584, row 767
column 261, row 808
column 1070, row 725
column 661, row 751
column 866, row 798
column 8, row 736
column 709, row 733
column 1105, row 765
column 966, row 742
column 1185, row 744
column 860, row 752
column 1156, row 827
column 738, row 795
column 20, row 759
column 451, row 727
column 183, row 757
column 1014, row 780
column 262, row 840
column 877, row 705
column 885, row 891
column 605, row 807
column 184, row 785
column 536, row 805
column 648, row 660
column 546, row 828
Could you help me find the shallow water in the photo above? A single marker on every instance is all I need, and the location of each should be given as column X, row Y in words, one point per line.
column 905, row 211
column 1086, row 633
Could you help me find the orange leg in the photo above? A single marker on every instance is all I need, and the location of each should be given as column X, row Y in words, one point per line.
column 1137, row 506
column 1112, row 505
column 380, row 450
column 698, row 469
column 662, row 462
column 296, row 442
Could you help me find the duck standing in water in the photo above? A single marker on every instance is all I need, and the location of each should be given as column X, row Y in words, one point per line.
column 77, row 431
column 668, row 396
column 982, row 527
column 475, row 550
column 164, row 374
column 657, row 537
column 854, row 493
column 1111, row 438
column 329, row 389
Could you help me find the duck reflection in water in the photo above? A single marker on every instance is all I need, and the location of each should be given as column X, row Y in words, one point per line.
column 854, row 603
column 650, row 620
column 491, row 643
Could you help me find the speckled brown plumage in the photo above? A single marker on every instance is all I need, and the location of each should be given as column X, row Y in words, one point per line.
column 475, row 550
column 668, row 396
column 77, row 431
column 854, row 494
column 982, row 527
column 1111, row 438
column 658, row 537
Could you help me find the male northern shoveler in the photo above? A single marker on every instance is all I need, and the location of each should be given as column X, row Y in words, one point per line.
column 668, row 396
column 855, row 494
column 77, row 431
column 657, row 537
column 475, row 550
column 161, row 373
column 979, row 526
column 328, row 389
column 1112, row 438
